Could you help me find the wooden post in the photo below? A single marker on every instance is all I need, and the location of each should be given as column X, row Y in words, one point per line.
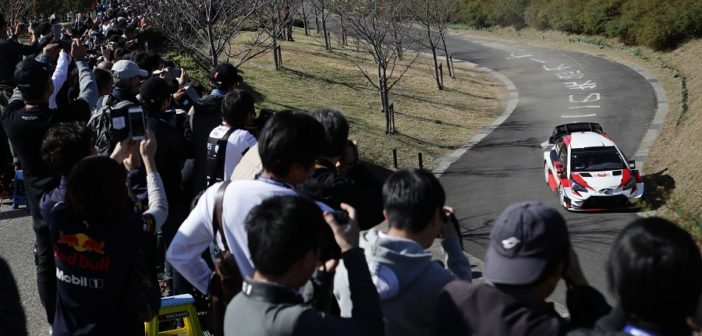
column 441, row 74
column 394, row 157
column 453, row 69
column 280, row 58
column 419, row 158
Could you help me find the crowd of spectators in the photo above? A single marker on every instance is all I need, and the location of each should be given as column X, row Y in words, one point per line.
column 127, row 164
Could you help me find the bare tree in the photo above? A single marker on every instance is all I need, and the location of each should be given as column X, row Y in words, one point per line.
column 275, row 20
column 14, row 11
column 204, row 29
column 445, row 13
column 433, row 16
column 323, row 9
column 379, row 26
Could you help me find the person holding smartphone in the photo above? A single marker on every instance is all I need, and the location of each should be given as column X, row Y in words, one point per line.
column 155, row 95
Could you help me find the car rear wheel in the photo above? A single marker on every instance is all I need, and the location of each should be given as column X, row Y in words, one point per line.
column 546, row 172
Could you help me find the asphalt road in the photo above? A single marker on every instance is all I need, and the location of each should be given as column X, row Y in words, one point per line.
column 555, row 87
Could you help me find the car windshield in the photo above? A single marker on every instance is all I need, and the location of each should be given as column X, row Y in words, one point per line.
column 595, row 159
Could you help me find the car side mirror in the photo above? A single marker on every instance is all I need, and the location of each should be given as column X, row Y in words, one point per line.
column 632, row 164
column 560, row 168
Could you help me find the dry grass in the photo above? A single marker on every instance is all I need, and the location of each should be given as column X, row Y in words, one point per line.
column 428, row 121
column 674, row 163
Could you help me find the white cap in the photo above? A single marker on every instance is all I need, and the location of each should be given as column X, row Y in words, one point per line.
column 127, row 69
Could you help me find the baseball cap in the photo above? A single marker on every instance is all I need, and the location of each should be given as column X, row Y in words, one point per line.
column 225, row 74
column 154, row 90
column 524, row 238
column 31, row 77
column 125, row 69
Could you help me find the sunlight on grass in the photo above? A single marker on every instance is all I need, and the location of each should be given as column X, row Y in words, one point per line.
column 428, row 121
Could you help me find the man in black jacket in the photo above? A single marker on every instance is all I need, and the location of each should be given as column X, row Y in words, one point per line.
column 328, row 185
column 26, row 119
column 529, row 253
column 285, row 235
column 655, row 272
column 205, row 115
column 11, row 53
column 170, row 156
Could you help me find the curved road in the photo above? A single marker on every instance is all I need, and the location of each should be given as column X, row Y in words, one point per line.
column 555, row 87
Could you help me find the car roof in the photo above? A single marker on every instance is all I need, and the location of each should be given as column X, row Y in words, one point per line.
column 588, row 139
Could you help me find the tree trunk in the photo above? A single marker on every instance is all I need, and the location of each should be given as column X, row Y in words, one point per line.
column 276, row 61
column 316, row 18
column 327, row 45
column 304, row 19
column 213, row 49
column 448, row 62
column 439, row 84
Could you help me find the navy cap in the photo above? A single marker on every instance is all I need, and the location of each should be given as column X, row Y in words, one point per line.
column 31, row 77
column 524, row 238
column 154, row 90
column 225, row 74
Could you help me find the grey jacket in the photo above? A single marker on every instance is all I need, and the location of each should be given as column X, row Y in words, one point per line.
column 407, row 280
column 268, row 309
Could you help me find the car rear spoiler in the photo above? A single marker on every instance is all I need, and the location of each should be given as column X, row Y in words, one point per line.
column 565, row 129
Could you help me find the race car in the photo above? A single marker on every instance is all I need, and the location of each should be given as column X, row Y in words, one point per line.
column 589, row 171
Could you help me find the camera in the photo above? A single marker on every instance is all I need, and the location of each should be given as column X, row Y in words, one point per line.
column 329, row 248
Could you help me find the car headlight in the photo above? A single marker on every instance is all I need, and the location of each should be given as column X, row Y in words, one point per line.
column 577, row 187
column 631, row 184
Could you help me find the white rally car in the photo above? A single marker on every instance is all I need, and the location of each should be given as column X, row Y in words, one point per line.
column 589, row 172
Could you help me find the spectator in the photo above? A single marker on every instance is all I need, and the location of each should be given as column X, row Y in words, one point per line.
column 406, row 278
column 289, row 144
column 205, row 115
column 231, row 138
column 26, row 120
column 529, row 253
column 285, row 234
column 63, row 147
column 11, row 53
column 127, row 81
column 105, row 83
column 170, row 156
column 12, row 316
column 327, row 184
column 655, row 272
column 98, row 265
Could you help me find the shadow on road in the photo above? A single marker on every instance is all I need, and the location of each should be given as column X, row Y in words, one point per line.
column 14, row 213
column 658, row 188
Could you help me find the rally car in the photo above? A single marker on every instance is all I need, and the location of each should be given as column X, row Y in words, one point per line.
column 587, row 169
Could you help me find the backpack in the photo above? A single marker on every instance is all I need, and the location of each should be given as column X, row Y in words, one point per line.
column 216, row 152
column 110, row 125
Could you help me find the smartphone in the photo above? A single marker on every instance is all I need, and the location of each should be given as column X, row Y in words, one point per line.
column 56, row 30
column 137, row 123
column 174, row 72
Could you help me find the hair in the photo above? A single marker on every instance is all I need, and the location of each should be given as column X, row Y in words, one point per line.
column 650, row 254
column 103, row 78
column 411, row 197
column 290, row 137
column 281, row 230
column 65, row 144
column 236, row 108
column 148, row 61
column 97, row 188
column 336, row 129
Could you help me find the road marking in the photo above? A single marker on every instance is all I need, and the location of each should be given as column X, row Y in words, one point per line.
column 593, row 97
column 579, row 116
column 513, row 56
column 584, row 107
column 538, row 60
